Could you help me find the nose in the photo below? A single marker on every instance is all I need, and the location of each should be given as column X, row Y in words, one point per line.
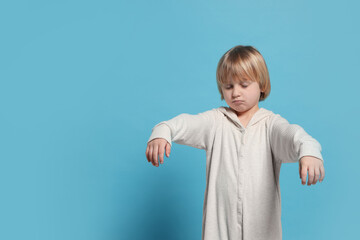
column 236, row 91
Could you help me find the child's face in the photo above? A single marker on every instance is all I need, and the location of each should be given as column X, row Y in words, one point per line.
column 243, row 89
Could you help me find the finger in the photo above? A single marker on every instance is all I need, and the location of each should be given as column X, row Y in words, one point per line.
column 303, row 174
column 155, row 155
column 322, row 172
column 147, row 153
column 168, row 149
column 311, row 175
column 317, row 175
column 299, row 170
column 151, row 149
column 161, row 154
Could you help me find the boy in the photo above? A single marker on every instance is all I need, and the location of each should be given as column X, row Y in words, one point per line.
column 245, row 146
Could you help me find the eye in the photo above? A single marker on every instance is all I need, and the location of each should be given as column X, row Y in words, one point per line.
column 228, row 86
column 245, row 84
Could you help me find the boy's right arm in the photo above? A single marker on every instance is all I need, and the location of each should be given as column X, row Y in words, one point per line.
column 186, row 129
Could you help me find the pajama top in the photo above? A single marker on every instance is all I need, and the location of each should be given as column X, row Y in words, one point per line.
column 242, row 198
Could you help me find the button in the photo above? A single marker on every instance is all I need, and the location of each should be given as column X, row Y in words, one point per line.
column 239, row 209
column 240, row 219
column 240, row 199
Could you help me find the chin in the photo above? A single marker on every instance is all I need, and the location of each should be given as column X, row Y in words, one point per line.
column 239, row 108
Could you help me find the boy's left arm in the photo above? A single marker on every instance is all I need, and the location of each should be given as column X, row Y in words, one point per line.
column 290, row 143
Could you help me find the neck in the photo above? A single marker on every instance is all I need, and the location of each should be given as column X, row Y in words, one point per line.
column 249, row 113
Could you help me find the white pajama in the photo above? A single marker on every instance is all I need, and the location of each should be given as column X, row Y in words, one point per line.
column 242, row 196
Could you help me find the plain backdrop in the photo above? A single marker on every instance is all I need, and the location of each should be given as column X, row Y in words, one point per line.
column 82, row 83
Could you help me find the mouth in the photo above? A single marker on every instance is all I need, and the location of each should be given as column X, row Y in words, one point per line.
column 238, row 101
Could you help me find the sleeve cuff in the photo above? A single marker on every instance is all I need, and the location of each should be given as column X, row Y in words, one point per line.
column 313, row 151
column 161, row 130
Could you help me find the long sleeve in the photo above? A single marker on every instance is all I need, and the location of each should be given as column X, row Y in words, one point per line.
column 187, row 129
column 290, row 142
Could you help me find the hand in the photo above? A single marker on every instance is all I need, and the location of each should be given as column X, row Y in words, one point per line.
column 315, row 167
column 156, row 147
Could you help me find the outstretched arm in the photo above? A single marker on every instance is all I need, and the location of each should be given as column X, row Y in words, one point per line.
column 290, row 143
column 187, row 129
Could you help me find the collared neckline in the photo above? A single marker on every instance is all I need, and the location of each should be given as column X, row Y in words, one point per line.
column 257, row 116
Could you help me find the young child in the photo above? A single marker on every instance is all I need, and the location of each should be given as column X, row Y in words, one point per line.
column 245, row 146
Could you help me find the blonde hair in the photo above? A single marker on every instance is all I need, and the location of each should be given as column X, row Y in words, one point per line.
column 243, row 62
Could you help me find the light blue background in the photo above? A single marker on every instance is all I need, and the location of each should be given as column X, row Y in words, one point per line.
column 82, row 83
